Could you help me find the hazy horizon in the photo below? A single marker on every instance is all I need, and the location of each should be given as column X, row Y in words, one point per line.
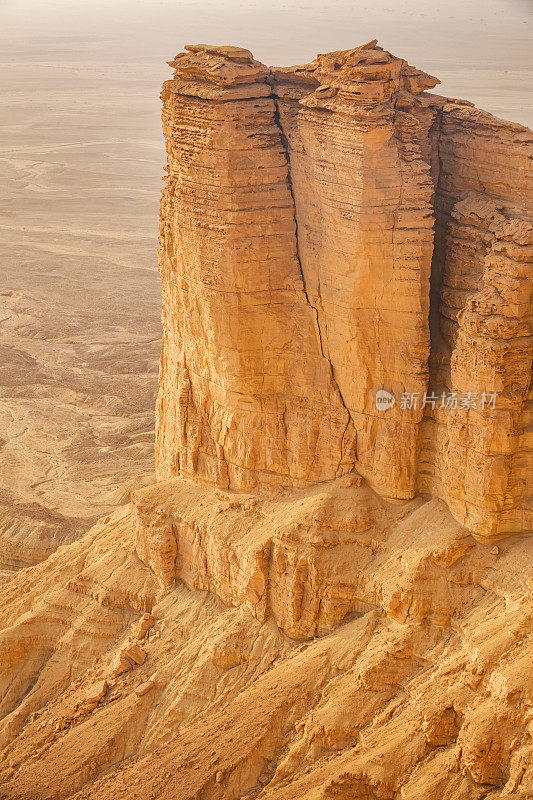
column 481, row 51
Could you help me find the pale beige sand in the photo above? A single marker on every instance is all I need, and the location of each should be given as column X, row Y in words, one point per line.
column 79, row 302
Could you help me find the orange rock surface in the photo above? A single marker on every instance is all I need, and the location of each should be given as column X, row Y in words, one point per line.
column 297, row 247
column 310, row 602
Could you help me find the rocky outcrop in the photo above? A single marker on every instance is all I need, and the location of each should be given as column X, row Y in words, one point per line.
column 412, row 679
column 480, row 454
column 307, row 559
column 246, row 393
column 354, row 129
column 299, row 263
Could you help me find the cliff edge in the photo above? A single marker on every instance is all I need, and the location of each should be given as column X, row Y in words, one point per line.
column 328, row 232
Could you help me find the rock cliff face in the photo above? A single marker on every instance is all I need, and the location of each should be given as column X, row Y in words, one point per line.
column 481, row 460
column 298, row 607
column 246, row 394
column 311, row 217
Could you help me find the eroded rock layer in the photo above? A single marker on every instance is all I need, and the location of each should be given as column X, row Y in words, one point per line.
column 307, row 213
column 481, row 457
column 362, row 189
column 246, row 393
column 186, row 677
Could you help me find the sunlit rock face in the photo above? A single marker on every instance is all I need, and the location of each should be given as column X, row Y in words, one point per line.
column 329, row 231
column 247, row 396
column 480, row 459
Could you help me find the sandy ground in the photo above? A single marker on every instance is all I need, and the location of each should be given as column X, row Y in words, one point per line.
column 80, row 166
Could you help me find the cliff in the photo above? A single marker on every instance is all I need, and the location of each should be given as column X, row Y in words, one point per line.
column 299, row 263
column 310, row 602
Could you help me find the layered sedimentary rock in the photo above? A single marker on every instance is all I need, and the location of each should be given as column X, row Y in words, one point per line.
column 308, row 559
column 312, row 215
column 246, row 393
column 412, row 681
column 362, row 188
column 480, row 453
column 292, row 558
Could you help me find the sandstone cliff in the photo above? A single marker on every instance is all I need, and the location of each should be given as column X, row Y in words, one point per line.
column 247, row 394
column 297, row 248
column 310, row 603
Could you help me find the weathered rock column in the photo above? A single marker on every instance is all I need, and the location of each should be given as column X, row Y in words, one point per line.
column 304, row 213
column 246, row 393
column 360, row 170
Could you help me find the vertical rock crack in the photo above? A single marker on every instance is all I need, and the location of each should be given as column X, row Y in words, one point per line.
column 285, row 145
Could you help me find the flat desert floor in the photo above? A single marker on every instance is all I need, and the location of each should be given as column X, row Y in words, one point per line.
column 81, row 159
column 80, row 165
